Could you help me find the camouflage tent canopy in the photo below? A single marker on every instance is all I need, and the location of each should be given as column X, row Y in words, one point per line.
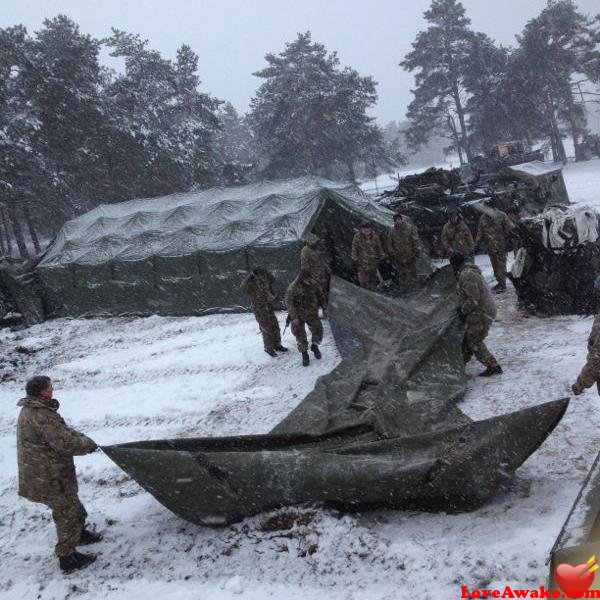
column 187, row 253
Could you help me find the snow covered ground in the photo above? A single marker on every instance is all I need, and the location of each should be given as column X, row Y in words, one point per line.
column 128, row 379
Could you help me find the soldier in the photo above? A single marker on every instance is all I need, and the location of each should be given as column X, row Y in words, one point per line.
column 367, row 253
column 477, row 310
column 403, row 247
column 590, row 373
column 312, row 260
column 258, row 286
column 303, row 298
column 492, row 233
column 46, row 446
column 456, row 236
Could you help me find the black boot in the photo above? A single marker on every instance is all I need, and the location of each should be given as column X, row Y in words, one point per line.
column 281, row 348
column 305, row 359
column 316, row 351
column 75, row 561
column 271, row 352
column 496, row 370
column 499, row 288
column 89, row 537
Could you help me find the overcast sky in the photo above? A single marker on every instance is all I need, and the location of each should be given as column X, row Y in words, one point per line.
column 232, row 36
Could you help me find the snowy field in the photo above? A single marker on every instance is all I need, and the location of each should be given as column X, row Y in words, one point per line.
column 128, row 379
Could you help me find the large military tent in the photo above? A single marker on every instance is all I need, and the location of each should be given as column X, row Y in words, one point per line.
column 382, row 429
column 187, row 254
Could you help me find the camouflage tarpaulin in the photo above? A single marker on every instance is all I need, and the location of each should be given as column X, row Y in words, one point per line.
column 382, row 429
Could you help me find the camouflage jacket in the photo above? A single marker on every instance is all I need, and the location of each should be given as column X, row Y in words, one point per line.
column 594, row 339
column 312, row 260
column 303, row 299
column 259, row 288
column 493, row 231
column 45, row 449
column 403, row 242
column 367, row 252
column 456, row 237
column 476, row 303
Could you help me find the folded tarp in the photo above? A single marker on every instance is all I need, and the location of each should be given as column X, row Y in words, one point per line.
column 381, row 429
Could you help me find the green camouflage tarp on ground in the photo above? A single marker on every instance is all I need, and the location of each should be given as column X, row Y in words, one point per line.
column 381, row 429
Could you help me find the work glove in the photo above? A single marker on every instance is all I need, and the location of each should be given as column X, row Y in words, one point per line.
column 576, row 390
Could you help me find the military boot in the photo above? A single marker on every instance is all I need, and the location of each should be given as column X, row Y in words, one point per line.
column 316, row 351
column 271, row 352
column 305, row 359
column 89, row 537
column 495, row 370
column 499, row 288
column 281, row 348
column 75, row 561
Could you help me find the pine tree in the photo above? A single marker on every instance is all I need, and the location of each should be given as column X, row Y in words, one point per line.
column 554, row 47
column 309, row 115
column 440, row 56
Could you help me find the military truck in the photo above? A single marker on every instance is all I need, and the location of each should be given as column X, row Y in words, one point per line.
column 505, row 154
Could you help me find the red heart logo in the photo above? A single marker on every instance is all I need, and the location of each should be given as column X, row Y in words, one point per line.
column 573, row 580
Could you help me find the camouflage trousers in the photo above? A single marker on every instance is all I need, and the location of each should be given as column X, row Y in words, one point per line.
column 590, row 374
column 407, row 274
column 316, row 330
column 498, row 260
column 367, row 278
column 269, row 327
column 69, row 517
column 473, row 343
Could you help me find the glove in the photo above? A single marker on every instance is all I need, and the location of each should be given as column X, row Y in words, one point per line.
column 576, row 390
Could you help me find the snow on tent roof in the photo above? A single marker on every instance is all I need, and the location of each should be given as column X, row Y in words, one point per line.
column 214, row 220
column 536, row 168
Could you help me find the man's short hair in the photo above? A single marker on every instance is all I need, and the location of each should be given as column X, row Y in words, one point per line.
column 36, row 385
column 365, row 225
column 398, row 216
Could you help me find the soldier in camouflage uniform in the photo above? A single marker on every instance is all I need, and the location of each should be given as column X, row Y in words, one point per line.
column 403, row 248
column 367, row 253
column 303, row 298
column 493, row 231
column 312, row 260
column 456, row 236
column 46, row 446
column 258, row 286
column 477, row 310
column 590, row 374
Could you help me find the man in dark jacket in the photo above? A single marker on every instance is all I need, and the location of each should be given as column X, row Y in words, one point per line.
column 46, row 446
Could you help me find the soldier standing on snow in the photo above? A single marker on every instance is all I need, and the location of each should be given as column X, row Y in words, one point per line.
column 493, row 232
column 477, row 311
column 590, row 373
column 303, row 298
column 367, row 253
column 312, row 260
column 258, row 286
column 403, row 248
column 46, row 446
column 456, row 236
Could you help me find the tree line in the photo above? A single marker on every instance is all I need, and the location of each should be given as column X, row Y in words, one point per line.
column 74, row 134
column 477, row 93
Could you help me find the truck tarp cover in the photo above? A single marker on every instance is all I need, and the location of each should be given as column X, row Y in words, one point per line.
column 381, row 429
